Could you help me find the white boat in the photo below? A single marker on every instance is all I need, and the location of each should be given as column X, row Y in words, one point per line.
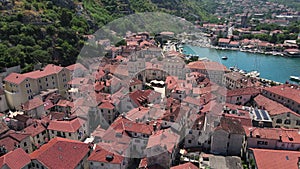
column 242, row 71
column 224, row 57
column 253, row 74
column 295, row 78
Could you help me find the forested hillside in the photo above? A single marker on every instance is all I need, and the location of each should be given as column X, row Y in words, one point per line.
column 40, row 31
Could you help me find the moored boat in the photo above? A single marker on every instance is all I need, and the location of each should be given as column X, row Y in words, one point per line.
column 295, row 78
column 224, row 57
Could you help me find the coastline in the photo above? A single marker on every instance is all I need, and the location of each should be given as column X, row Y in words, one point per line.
column 262, row 79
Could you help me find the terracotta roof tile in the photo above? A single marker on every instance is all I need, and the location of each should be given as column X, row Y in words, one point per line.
column 76, row 66
column 15, row 159
column 286, row 91
column 15, row 78
column 207, row 65
column 164, row 138
column 61, row 153
column 106, row 105
column 32, row 104
column 273, row 107
column 66, row 126
column 266, row 159
column 102, row 155
column 34, row 129
column 231, row 126
column 188, row 165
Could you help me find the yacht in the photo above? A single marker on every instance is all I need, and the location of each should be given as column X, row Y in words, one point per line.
column 295, row 78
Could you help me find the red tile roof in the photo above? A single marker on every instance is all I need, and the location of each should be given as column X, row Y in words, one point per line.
column 32, row 104
column 266, row 159
column 48, row 70
column 140, row 96
column 15, row 78
column 16, row 135
column 19, row 78
column 287, row 91
column 287, row 135
column 188, row 165
column 79, row 81
column 100, row 155
column 76, row 66
column 135, row 81
column 231, row 126
column 15, row 159
column 223, row 40
column 61, row 153
column 65, row 103
column 164, row 138
column 243, row 91
column 66, row 126
column 207, row 65
column 34, row 129
column 9, row 143
column 106, row 105
column 192, row 100
column 273, row 108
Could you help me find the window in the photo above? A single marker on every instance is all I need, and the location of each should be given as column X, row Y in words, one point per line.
column 190, row 141
column 46, row 79
column 279, row 121
column 298, row 122
column 70, row 134
column 190, row 132
column 25, row 144
column 287, row 121
column 262, row 143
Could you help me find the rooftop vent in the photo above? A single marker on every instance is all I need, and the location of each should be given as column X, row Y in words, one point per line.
column 109, row 158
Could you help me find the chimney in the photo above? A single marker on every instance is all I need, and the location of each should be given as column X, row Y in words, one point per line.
column 154, row 126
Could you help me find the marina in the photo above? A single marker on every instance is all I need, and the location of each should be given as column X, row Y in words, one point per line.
column 276, row 68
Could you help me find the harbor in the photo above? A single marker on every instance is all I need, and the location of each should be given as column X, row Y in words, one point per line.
column 275, row 68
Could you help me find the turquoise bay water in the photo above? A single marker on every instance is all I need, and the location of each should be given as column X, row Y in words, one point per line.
column 271, row 67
